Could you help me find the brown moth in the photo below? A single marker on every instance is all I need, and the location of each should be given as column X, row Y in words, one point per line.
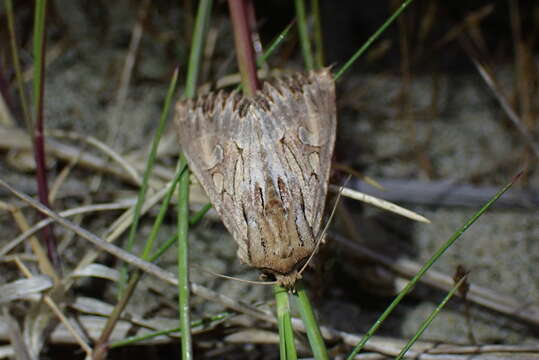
column 264, row 163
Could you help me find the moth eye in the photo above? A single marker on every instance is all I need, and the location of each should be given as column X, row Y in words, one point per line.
column 218, row 181
column 307, row 137
column 314, row 160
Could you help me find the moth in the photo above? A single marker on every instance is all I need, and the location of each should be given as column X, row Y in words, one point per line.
column 264, row 162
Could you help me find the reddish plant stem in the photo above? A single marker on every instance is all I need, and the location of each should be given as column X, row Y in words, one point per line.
column 242, row 16
column 47, row 234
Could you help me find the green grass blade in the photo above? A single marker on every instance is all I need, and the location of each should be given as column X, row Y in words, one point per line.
column 146, row 177
column 147, row 174
column 274, row 45
column 17, row 66
column 304, row 34
column 150, row 163
column 39, row 43
column 317, row 29
column 153, row 153
column 287, row 347
column 371, row 39
column 311, row 325
column 173, row 239
column 429, row 320
column 183, row 263
column 195, row 59
column 206, row 322
column 126, row 293
column 200, row 214
column 197, row 46
column 427, row 266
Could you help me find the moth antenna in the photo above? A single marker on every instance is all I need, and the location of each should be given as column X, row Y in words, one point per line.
column 326, row 227
column 254, row 282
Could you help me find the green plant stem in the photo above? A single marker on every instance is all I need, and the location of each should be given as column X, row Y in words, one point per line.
column 114, row 317
column 17, row 66
column 426, row 267
column 317, row 27
column 195, row 219
column 429, row 320
column 183, row 263
column 149, row 166
column 197, row 47
column 274, row 45
column 151, row 161
column 195, row 58
column 371, row 39
column 206, row 323
column 287, row 348
column 304, row 34
column 131, row 285
column 174, row 239
column 311, row 325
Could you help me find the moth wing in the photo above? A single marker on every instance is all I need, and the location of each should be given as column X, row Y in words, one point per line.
column 289, row 129
column 208, row 129
column 302, row 122
column 275, row 148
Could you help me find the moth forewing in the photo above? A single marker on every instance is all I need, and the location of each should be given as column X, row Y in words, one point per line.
column 264, row 163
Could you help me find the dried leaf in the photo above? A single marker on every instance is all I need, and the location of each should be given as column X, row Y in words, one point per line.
column 24, row 288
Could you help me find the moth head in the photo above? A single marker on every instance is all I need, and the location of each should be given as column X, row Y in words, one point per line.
column 286, row 280
column 289, row 280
